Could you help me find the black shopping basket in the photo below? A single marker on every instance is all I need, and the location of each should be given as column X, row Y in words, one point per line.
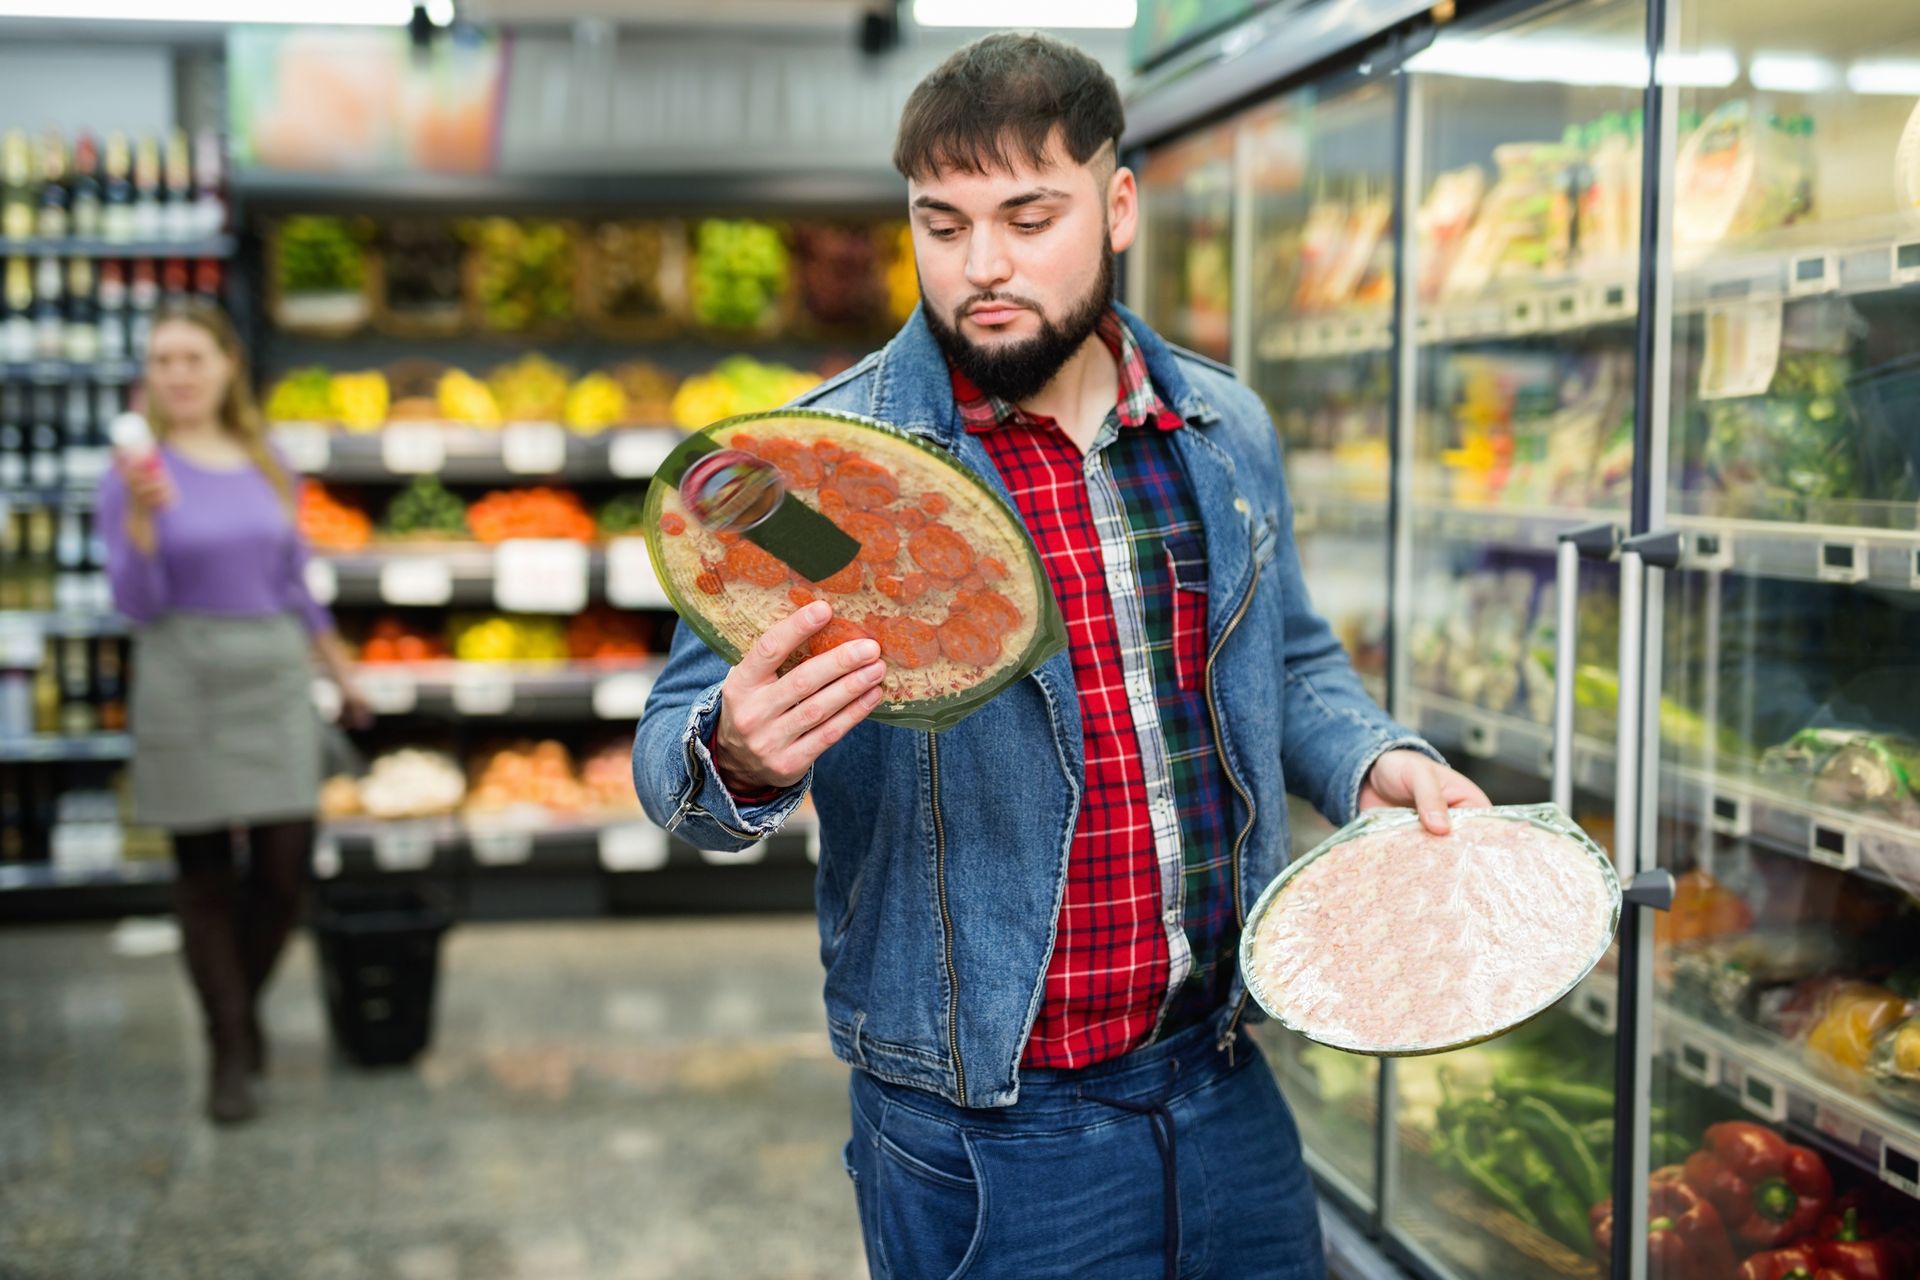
column 379, row 962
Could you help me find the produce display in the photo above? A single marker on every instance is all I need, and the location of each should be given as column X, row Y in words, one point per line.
column 638, row 279
column 531, row 389
column 594, row 403
column 392, row 639
column 648, row 389
column 530, row 513
column 607, row 774
column 741, row 272
column 943, row 575
column 536, row 774
column 521, row 273
column 903, row 277
column 319, row 273
column 425, row 511
column 1350, row 948
column 407, row 783
column 502, row 638
column 421, row 263
column 737, row 385
column 1853, row 769
column 604, row 635
column 462, row 398
column 329, row 524
column 837, row 269
column 357, row 401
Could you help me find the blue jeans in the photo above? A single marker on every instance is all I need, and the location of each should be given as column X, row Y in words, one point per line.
column 1171, row 1161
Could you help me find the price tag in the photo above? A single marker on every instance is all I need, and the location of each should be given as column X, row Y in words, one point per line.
column 1523, row 316
column 1742, row 348
column 413, row 448
column 1697, row 1063
column 416, row 582
column 1906, row 263
column 1480, row 738
column 1708, row 551
column 1843, row 562
column 308, row 445
column 403, row 846
column 482, row 690
column 326, row 856
column 634, row 455
column 622, row 697
column 1731, row 815
column 389, row 693
column 327, row 700
column 1764, row 1096
column 1813, row 273
column 22, row 646
column 813, row 844
column 1900, row 1167
column 1838, row 1127
column 755, row 852
column 633, row 846
column 631, row 581
column 500, row 846
column 540, row 575
column 323, row 582
column 533, row 448
column 1833, row 846
column 1568, row 309
column 1612, row 301
column 1595, row 1004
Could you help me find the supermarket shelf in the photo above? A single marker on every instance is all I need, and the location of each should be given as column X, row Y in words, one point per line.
column 1777, row 1087
column 625, row 843
column 1747, row 809
column 597, row 690
column 45, row 875
column 457, row 454
column 427, row 575
column 199, row 247
column 68, row 624
column 1844, row 554
column 852, row 190
column 58, row 373
column 1859, row 257
column 57, row 748
column 1522, row 529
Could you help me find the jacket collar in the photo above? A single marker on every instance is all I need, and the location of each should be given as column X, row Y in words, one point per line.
column 913, row 389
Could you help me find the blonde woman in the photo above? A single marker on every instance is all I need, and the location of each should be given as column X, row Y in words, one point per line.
column 206, row 560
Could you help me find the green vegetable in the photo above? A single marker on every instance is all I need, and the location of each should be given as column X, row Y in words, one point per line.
column 740, row 272
column 1558, row 1208
column 1563, row 1145
column 1588, row 1102
column 623, row 515
column 320, row 255
column 1480, row 1170
column 426, row 507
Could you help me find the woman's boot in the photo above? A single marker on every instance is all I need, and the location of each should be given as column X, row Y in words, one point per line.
column 278, row 857
column 207, row 900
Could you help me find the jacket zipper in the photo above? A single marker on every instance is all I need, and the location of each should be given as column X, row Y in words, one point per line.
column 946, row 925
column 1227, row 1037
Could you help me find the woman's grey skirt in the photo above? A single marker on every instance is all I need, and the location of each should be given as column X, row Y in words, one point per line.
column 224, row 728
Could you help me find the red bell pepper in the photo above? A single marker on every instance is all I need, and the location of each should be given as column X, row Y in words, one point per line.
column 1685, row 1237
column 1858, row 1246
column 1767, row 1190
column 1795, row 1262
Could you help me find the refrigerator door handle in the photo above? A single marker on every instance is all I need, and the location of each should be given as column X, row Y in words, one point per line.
column 1588, row 542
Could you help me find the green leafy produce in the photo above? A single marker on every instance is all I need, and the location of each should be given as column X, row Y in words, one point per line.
column 426, row 509
column 740, row 272
column 623, row 515
column 524, row 272
column 304, row 395
column 320, row 255
column 1768, row 455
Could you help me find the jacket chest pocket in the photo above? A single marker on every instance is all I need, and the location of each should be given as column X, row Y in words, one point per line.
column 1186, row 556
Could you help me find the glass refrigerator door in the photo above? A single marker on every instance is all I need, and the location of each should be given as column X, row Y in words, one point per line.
column 1319, row 172
column 1788, row 785
column 1518, row 398
column 1185, row 269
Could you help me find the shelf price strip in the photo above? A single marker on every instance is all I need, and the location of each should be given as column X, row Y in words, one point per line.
column 308, row 445
column 533, row 448
column 416, row 581
column 633, row 846
column 540, row 575
column 481, row 691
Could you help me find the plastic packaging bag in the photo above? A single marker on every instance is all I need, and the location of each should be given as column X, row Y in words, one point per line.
column 757, row 516
column 1389, row 941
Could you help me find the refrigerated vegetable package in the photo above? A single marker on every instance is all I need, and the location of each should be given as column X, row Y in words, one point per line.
column 757, row 516
column 1386, row 939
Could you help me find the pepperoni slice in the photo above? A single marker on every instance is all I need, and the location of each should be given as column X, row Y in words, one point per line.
column 801, row 597
column 828, row 452
column 833, row 635
column 998, row 612
column 745, row 443
column 845, row 582
column 890, row 587
column 879, row 540
column 833, row 504
column 798, row 466
column 710, row 583
column 941, row 552
column 992, row 569
column 906, row 642
column 968, row 640
column 865, row 484
column 933, row 503
column 914, row 586
column 910, row 518
column 973, row 581
column 673, row 524
column 744, row 560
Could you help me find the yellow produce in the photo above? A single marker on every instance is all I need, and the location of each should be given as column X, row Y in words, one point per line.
column 360, row 400
column 738, row 384
column 504, row 639
column 531, row 389
column 595, row 403
column 464, row 398
column 903, row 281
column 1856, row 1013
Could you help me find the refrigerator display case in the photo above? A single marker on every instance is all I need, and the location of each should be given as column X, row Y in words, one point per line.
column 1607, row 432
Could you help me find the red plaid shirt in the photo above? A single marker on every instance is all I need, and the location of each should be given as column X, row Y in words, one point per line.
column 1112, row 957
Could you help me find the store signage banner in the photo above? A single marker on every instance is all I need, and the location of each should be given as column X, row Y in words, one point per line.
column 327, row 100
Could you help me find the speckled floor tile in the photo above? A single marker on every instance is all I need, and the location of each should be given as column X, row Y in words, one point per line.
column 607, row 1101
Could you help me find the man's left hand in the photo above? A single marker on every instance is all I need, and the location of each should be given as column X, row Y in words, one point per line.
column 1408, row 780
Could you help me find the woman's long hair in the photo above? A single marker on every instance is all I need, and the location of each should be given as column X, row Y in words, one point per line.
column 239, row 413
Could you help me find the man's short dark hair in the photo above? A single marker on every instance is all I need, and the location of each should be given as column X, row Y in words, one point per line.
column 999, row 100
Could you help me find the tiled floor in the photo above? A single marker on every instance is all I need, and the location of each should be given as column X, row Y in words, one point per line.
column 608, row 1100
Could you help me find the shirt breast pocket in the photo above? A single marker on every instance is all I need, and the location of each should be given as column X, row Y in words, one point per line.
column 1187, row 583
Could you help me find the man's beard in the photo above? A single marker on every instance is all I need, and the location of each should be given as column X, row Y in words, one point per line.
column 1017, row 371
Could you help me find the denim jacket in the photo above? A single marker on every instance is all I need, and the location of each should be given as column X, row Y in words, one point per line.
column 943, row 857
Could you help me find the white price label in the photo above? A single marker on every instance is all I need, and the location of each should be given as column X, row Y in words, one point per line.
column 500, row 846
column 403, row 846
column 1900, row 1167
column 416, row 582
column 1813, row 273
column 323, row 583
column 631, row 581
column 1697, row 1062
column 480, row 690
column 1595, row 1004
column 308, row 445
column 1480, row 738
column 326, row 856
column 1833, row 846
column 413, row 448
column 633, row 846
column 533, row 448
column 1764, row 1096
column 327, row 700
column 540, row 575
column 389, row 693
column 1731, row 815
column 22, row 646
column 622, row 697
column 1838, row 1127
column 755, row 852
column 633, row 455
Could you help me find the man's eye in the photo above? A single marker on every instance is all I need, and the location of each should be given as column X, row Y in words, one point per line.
column 1032, row 227
column 943, row 233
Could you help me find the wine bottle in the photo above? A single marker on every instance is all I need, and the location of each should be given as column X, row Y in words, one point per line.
column 13, row 808
column 18, row 199
column 109, row 684
column 46, row 692
column 84, row 200
column 13, row 441
column 87, row 455
column 148, row 217
column 206, row 279
column 70, row 559
column 116, row 192
column 209, row 183
column 43, row 447
column 53, row 221
column 174, row 281
column 38, row 555
column 78, row 715
column 49, row 317
column 142, row 299
column 83, row 317
column 182, row 210
column 16, row 315
column 113, row 312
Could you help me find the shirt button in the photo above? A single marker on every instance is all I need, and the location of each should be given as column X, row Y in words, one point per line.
column 1138, row 687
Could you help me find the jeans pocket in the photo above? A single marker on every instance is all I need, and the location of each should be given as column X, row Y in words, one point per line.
column 929, row 1208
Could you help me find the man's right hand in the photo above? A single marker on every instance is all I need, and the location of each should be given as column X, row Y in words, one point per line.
column 773, row 727
column 148, row 485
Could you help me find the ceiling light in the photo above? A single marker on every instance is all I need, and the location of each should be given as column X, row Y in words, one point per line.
column 1701, row 69
column 1897, row 76
column 1113, row 14
column 1790, row 73
column 440, row 12
column 375, row 13
column 1534, row 61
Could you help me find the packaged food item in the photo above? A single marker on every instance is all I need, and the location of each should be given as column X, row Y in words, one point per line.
column 1894, row 1067
column 1854, row 1015
column 1446, row 215
column 757, row 516
column 1852, row 769
column 1737, row 177
column 1702, row 908
column 1388, row 940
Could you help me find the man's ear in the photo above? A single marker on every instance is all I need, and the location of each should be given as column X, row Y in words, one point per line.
column 1123, row 209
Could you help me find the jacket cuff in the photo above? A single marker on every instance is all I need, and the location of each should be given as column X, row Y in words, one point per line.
column 1369, row 755
column 745, row 817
